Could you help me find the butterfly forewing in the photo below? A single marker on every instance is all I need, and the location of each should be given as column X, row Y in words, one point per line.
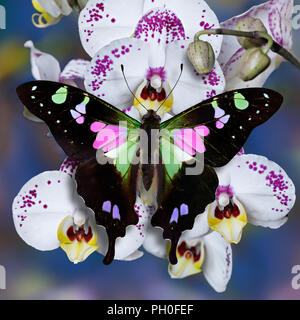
column 223, row 123
column 75, row 117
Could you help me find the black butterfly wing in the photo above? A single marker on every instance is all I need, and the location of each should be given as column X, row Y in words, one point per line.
column 70, row 114
column 111, row 196
column 184, row 197
column 226, row 120
column 216, row 130
column 76, row 119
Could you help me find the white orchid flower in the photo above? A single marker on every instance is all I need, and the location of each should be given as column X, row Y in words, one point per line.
column 197, row 250
column 101, row 22
column 151, row 59
column 251, row 189
column 46, row 67
column 276, row 15
column 48, row 214
column 49, row 12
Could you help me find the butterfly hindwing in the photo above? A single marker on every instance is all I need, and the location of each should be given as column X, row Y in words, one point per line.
column 184, row 197
column 220, row 126
column 111, row 196
column 80, row 122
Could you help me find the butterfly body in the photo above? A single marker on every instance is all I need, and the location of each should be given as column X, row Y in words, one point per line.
column 169, row 164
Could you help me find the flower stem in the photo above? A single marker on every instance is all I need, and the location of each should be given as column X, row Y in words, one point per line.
column 266, row 38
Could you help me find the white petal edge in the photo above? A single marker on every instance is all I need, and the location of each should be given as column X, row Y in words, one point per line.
column 75, row 69
column 217, row 266
column 43, row 65
column 155, row 244
column 118, row 20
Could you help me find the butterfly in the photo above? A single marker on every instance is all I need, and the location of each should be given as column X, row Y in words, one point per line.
column 171, row 170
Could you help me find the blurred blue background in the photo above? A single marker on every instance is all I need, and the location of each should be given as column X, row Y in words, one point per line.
column 262, row 261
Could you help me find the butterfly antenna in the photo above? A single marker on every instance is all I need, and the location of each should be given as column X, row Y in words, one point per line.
column 122, row 68
column 181, row 69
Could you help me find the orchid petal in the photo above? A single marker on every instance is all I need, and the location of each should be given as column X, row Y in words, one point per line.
column 194, row 16
column 43, row 65
column 75, row 69
column 134, row 256
column 200, row 228
column 192, row 88
column 133, row 113
column 134, row 238
column 104, row 76
column 69, row 166
column 217, row 266
column 30, row 116
column 155, row 244
column 159, row 26
column 41, row 205
column 101, row 22
column 276, row 15
column 269, row 193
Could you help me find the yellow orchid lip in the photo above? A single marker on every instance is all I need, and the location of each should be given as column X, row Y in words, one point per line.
column 152, row 98
column 190, row 260
column 228, row 221
column 77, row 242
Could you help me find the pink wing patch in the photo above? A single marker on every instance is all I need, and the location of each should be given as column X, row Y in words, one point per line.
column 108, row 136
column 191, row 140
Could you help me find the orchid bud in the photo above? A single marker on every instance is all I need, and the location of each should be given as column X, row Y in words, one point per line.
column 253, row 62
column 201, row 56
column 78, row 5
column 250, row 24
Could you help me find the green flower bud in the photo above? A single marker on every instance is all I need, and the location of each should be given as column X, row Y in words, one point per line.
column 201, row 56
column 253, row 62
column 77, row 5
column 250, row 24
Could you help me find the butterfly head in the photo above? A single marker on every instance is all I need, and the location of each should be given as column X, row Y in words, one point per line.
column 151, row 115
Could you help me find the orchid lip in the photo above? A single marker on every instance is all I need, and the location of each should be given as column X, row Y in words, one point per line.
column 189, row 252
column 80, row 234
column 231, row 210
column 77, row 241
